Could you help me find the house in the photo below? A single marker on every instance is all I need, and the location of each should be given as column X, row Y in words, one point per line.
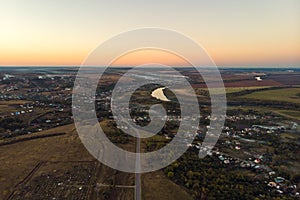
column 221, row 158
column 244, row 164
column 209, row 153
column 272, row 173
column 279, row 180
column 272, row 184
column 226, row 161
column 237, row 147
column 257, row 160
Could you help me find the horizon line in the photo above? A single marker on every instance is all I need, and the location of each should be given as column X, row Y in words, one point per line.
column 176, row 66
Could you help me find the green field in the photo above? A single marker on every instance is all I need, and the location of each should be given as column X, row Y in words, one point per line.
column 230, row 90
column 291, row 114
column 239, row 89
column 284, row 95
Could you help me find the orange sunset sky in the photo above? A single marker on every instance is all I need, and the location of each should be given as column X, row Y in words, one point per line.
column 234, row 33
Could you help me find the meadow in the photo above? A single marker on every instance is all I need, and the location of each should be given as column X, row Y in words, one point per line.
column 291, row 95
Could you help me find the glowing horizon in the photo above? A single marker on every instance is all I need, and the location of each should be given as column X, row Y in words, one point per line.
column 234, row 33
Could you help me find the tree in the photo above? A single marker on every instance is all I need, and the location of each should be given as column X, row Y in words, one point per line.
column 190, row 174
column 170, row 174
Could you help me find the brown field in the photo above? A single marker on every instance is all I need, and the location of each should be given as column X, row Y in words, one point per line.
column 252, row 83
column 156, row 186
column 244, row 83
column 4, row 109
column 248, row 80
column 60, row 166
column 286, row 79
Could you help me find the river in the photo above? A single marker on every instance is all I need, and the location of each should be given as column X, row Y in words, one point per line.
column 159, row 94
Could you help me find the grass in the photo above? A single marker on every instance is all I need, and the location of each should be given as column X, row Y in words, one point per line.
column 156, row 185
column 14, row 102
column 290, row 137
column 239, row 89
column 6, row 109
column 230, row 90
column 284, row 95
column 289, row 113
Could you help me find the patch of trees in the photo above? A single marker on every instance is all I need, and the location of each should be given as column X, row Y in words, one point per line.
column 115, row 135
column 12, row 123
column 209, row 178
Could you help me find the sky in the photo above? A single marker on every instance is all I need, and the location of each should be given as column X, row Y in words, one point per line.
column 233, row 32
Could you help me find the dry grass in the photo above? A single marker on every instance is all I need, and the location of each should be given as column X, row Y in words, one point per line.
column 14, row 102
column 156, row 185
column 19, row 159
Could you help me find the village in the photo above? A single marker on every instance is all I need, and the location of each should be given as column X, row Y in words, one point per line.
column 247, row 146
column 34, row 103
column 260, row 143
